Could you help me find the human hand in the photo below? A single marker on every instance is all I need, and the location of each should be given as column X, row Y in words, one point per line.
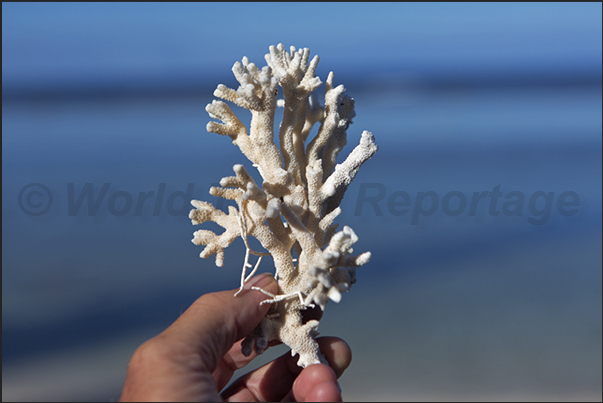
column 196, row 356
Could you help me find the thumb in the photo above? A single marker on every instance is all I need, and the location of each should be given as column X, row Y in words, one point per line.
column 215, row 321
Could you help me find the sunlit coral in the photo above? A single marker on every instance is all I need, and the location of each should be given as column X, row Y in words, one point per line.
column 291, row 212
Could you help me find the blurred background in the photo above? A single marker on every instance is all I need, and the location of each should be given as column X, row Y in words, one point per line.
column 104, row 102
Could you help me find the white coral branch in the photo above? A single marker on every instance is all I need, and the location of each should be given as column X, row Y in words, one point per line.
column 214, row 244
column 292, row 211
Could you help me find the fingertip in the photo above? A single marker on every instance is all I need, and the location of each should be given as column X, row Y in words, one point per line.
column 316, row 381
column 253, row 297
column 261, row 281
column 337, row 353
column 324, row 392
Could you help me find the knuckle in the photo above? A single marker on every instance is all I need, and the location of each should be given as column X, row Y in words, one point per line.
column 145, row 355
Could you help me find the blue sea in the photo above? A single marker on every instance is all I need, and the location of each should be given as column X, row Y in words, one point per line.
column 482, row 207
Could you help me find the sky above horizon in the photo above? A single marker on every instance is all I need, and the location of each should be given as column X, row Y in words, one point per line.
column 85, row 42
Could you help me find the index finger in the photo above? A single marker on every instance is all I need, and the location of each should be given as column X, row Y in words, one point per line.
column 215, row 321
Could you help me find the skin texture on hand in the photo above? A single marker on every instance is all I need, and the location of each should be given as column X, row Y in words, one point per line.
column 196, row 356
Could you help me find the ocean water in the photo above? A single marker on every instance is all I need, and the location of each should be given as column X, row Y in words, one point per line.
column 498, row 300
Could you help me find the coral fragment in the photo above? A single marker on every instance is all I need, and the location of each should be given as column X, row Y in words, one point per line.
column 292, row 211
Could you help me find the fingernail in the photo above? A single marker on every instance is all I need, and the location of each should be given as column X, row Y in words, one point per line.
column 261, row 280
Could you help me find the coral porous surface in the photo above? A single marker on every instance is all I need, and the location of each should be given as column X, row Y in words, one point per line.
column 291, row 212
